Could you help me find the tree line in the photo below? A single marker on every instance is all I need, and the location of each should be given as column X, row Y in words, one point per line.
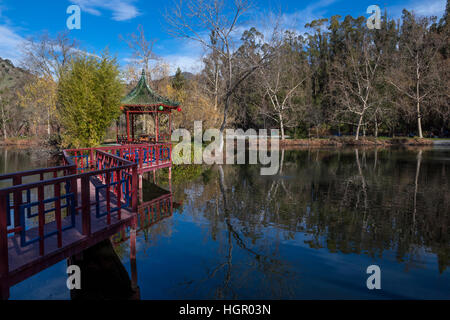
column 337, row 78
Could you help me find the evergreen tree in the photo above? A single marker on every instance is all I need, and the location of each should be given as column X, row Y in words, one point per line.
column 178, row 82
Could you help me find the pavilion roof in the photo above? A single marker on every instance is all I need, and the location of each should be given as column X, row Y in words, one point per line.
column 143, row 95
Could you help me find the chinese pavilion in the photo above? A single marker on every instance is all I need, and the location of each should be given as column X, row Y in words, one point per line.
column 143, row 100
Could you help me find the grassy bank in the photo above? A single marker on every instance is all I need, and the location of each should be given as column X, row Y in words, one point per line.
column 21, row 142
column 350, row 141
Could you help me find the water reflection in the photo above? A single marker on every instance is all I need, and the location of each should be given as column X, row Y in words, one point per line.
column 308, row 232
column 373, row 203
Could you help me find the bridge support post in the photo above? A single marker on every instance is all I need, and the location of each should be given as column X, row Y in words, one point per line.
column 134, row 283
column 133, row 253
column 134, row 189
column 4, row 258
column 4, row 289
column 170, row 179
column 85, row 205
column 133, row 242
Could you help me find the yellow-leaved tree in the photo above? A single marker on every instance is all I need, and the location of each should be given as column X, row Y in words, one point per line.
column 39, row 98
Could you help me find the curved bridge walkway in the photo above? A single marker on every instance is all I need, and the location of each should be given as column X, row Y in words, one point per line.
column 51, row 214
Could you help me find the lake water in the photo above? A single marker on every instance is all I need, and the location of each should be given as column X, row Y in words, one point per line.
column 310, row 232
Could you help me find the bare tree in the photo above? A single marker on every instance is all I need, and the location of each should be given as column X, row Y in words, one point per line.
column 354, row 76
column 196, row 20
column 212, row 72
column 143, row 57
column 47, row 56
column 415, row 74
column 143, row 54
column 284, row 79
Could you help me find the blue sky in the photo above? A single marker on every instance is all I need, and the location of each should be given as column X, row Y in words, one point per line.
column 103, row 21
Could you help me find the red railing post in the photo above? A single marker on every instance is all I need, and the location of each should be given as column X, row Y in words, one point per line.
column 119, row 194
column 91, row 157
column 134, row 188
column 141, row 156
column 157, row 154
column 4, row 259
column 74, row 187
column 57, row 193
column 85, row 205
column 4, row 266
column 17, row 180
column 41, row 218
column 108, row 197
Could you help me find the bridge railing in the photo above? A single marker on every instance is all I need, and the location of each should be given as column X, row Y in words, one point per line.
column 15, row 199
column 144, row 155
column 162, row 138
column 149, row 214
column 49, row 206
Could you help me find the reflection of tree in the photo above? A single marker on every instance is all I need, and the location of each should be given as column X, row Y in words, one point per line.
column 275, row 274
column 347, row 201
column 377, row 200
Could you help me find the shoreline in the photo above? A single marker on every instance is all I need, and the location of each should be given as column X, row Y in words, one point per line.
column 313, row 142
column 350, row 141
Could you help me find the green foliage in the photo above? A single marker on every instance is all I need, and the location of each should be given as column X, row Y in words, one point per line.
column 182, row 173
column 178, row 82
column 89, row 95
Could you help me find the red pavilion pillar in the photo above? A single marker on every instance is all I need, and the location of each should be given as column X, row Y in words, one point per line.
column 132, row 126
column 157, row 126
column 170, row 127
column 128, row 126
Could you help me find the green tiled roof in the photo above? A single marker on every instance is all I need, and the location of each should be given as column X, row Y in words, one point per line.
column 143, row 95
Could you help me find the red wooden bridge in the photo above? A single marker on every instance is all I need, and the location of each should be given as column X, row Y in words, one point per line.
column 48, row 215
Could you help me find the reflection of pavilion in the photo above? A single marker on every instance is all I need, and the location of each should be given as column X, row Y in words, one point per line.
column 150, row 213
column 142, row 101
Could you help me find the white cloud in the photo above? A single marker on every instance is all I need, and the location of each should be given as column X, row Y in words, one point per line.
column 10, row 43
column 188, row 55
column 298, row 19
column 121, row 9
column 176, row 53
column 191, row 64
column 428, row 8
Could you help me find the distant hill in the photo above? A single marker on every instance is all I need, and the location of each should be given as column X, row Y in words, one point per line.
column 186, row 75
column 11, row 77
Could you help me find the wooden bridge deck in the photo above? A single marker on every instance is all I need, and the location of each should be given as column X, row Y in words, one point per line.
column 27, row 261
column 154, row 166
column 104, row 181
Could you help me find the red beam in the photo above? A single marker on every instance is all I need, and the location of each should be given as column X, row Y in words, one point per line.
column 108, row 197
column 41, row 208
column 17, row 180
column 57, row 193
column 4, row 265
column 128, row 126
column 86, row 205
